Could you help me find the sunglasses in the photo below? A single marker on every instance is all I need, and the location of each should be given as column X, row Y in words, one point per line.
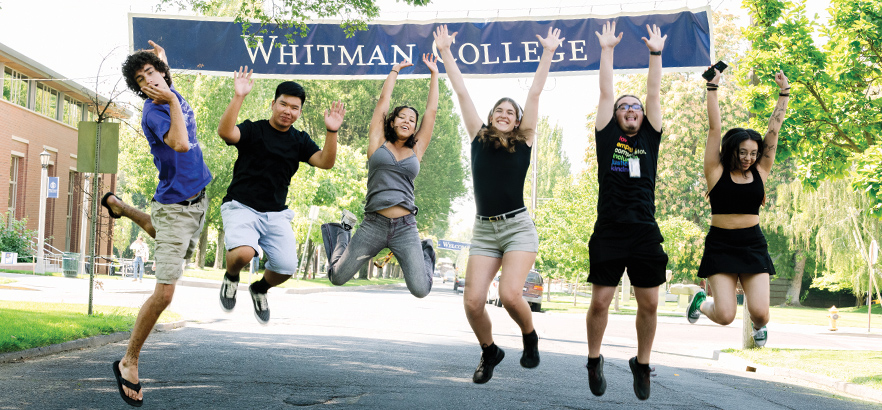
column 625, row 107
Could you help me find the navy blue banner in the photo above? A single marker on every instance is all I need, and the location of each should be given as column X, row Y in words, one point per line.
column 485, row 48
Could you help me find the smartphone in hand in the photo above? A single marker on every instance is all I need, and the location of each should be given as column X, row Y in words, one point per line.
column 710, row 74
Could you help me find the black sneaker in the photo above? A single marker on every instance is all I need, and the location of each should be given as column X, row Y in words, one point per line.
column 641, row 374
column 228, row 294
column 429, row 257
column 530, row 358
column 596, row 381
column 261, row 307
column 484, row 372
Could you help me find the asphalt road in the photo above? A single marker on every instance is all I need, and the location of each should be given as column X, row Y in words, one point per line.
column 385, row 349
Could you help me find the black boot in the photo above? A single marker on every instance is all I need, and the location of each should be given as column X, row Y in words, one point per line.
column 530, row 358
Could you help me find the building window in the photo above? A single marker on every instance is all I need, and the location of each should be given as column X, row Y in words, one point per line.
column 73, row 111
column 47, row 101
column 15, row 87
column 13, row 187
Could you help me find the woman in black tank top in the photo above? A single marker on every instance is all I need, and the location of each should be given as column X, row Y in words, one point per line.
column 736, row 167
column 504, row 235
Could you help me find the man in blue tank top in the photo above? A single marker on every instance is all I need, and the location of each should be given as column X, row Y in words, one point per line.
column 254, row 211
column 179, row 204
column 626, row 235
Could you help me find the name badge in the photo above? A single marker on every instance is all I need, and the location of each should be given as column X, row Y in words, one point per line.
column 634, row 167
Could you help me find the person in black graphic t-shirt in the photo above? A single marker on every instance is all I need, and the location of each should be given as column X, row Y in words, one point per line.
column 626, row 235
column 254, row 210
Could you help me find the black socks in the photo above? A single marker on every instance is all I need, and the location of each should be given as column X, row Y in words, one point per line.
column 261, row 286
column 231, row 277
column 530, row 358
column 594, row 362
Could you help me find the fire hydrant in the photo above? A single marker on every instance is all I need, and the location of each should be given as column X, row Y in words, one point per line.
column 834, row 315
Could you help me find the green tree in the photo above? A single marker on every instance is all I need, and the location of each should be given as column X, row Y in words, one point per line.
column 834, row 122
column 16, row 237
column 554, row 166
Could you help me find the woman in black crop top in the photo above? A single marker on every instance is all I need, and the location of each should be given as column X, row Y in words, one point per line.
column 504, row 235
column 736, row 168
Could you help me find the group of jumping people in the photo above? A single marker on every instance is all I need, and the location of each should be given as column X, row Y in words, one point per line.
column 626, row 236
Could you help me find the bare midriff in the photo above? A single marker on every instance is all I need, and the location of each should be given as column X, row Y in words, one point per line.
column 734, row 221
column 393, row 212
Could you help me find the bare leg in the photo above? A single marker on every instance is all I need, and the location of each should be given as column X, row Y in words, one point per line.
column 238, row 258
column 137, row 216
column 597, row 317
column 147, row 317
column 756, row 290
column 647, row 318
column 515, row 267
column 480, row 272
column 721, row 308
column 275, row 279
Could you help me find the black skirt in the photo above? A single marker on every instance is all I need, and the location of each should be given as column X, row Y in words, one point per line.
column 735, row 251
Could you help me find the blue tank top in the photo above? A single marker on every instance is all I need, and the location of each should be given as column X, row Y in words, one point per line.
column 390, row 182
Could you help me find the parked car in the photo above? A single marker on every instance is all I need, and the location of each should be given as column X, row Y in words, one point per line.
column 459, row 284
column 445, row 268
column 533, row 288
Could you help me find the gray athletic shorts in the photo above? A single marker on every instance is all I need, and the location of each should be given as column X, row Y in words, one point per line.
column 243, row 226
column 177, row 234
column 495, row 238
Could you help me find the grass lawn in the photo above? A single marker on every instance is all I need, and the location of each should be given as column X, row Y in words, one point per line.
column 218, row 274
column 563, row 302
column 6, row 280
column 27, row 325
column 862, row 367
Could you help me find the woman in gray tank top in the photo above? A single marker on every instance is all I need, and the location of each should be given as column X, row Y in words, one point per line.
column 395, row 149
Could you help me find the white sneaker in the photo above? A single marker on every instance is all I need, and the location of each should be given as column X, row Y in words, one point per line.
column 348, row 220
column 760, row 335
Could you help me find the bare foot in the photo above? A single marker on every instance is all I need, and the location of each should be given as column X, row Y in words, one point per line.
column 130, row 373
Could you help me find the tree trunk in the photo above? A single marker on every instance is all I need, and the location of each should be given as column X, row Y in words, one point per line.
column 796, row 284
column 220, row 253
column 371, row 271
column 308, row 249
column 203, row 244
column 362, row 273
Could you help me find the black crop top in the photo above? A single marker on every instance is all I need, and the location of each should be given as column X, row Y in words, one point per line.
column 727, row 197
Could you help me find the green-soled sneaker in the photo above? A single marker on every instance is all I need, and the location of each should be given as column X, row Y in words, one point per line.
column 694, row 310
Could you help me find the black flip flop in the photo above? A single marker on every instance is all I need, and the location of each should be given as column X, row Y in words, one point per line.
column 120, row 382
column 104, row 204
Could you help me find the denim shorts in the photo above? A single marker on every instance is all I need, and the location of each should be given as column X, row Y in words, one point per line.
column 177, row 234
column 271, row 231
column 495, row 238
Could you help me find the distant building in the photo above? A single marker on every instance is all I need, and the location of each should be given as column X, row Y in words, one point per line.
column 40, row 110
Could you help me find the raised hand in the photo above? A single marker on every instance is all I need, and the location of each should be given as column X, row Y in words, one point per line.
column 403, row 64
column 655, row 42
column 242, row 81
column 159, row 51
column 607, row 36
column 551, row 41
column 782, row 81
column 717, row 77
column 430, row 61
column 443, row 39
column 334, row 116
column 159, row 95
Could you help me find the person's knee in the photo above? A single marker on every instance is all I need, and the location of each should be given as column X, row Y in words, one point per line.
column 239, row 257
column 163, row 296
column 725, row 316
column 473, row 306
column 760, row 318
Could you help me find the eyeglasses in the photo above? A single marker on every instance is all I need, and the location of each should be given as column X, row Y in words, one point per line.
column 625, row 107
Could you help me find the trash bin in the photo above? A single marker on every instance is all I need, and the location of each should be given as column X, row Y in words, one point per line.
column 69, row 261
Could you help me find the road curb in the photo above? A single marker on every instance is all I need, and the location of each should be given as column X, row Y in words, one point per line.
column 736, row 363
column 90, row 342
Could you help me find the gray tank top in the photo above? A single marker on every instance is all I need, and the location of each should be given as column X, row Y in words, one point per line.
column 390, row 182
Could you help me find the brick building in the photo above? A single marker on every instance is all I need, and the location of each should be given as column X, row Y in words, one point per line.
column 40, row 110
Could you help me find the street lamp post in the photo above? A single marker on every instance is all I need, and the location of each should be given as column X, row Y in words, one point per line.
column 40, row 267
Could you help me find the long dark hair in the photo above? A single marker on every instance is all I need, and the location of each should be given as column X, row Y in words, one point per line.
column 507, row 140
column 729, row 147
column 389, row 131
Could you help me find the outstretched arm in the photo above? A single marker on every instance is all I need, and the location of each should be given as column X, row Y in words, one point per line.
column 424, row 134
column 443, row 41
column 376, row 129
column 713, row 168
column 608, row 41
column 159, row 51
column 655, row 44
column 770, row 141
column 531, row 107
column 325, row 158
column 242, row 84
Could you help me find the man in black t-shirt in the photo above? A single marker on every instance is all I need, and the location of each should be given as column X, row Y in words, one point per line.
column 626, row 235
column 254, row 210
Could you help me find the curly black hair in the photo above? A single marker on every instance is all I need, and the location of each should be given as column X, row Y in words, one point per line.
column 729, row 147
column 137, row 61
column 389, row 132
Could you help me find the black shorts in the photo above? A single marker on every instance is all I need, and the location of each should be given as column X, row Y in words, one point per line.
column 635, row 247
column 735, row 251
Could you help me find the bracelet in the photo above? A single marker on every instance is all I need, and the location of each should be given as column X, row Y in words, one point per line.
column 712, row 88
column 655, row 53
column 785, row 89
column 709, row 84
column 783, row 95
column 394, row 71
column 332, row 131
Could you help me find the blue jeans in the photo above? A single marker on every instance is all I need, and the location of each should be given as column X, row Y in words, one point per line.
column 138, row 268
column 375, row 233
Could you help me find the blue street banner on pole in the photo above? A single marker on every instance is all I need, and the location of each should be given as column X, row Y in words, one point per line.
column 445, row 244
column 52, row 188
column 483, row 48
